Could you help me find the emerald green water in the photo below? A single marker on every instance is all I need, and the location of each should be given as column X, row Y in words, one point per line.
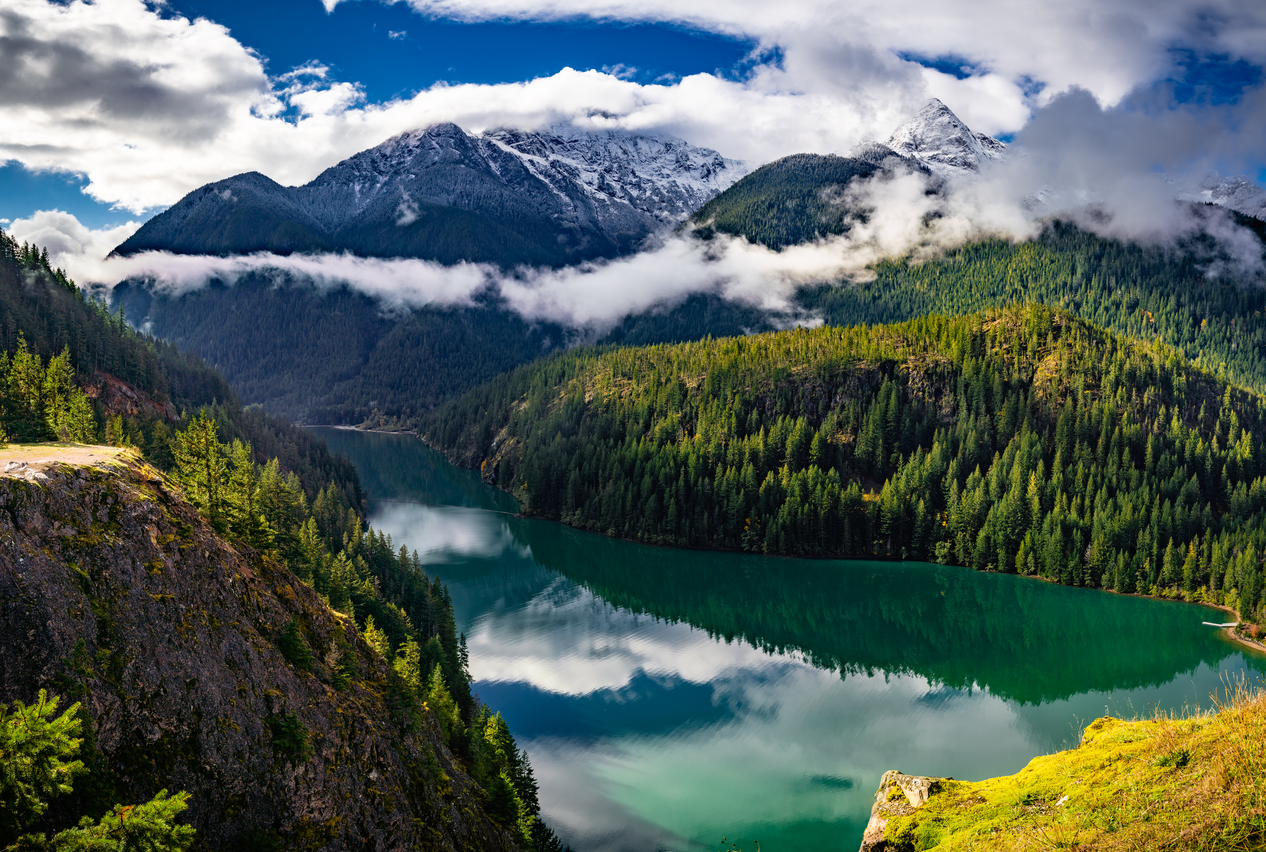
column 669, row 698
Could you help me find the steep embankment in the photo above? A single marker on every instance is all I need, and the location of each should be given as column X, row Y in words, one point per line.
column 1163, row 783
column 115, row 593
column 1020, row 440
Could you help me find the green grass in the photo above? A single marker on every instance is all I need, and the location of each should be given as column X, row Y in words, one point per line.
column 1173, row 783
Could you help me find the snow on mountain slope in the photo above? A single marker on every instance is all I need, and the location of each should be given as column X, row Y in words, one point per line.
column 507, row 196
column 939, row 140
column 660, row 175
column 610, row 179
column 1237, row 193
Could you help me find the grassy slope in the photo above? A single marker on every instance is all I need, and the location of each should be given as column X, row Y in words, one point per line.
column 1190, row 783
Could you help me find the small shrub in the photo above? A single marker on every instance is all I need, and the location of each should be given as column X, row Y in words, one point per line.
column 293, row 648
column 289, row 737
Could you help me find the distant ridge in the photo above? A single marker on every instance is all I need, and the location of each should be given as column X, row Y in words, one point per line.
column 440, row 193
column 804, row 197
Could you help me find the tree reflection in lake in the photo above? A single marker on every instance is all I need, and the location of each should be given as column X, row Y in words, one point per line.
column 670, row 697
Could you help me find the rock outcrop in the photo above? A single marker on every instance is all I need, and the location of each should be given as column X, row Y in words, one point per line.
column 899, row 795
column 116, row 594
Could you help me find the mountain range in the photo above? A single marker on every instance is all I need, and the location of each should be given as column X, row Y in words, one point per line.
column 803, row 197
column 508, row 197
column 337, row 357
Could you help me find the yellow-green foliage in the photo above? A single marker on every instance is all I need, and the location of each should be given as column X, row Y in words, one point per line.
column 1196, row 783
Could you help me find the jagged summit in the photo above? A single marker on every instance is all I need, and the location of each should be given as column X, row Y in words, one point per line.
column 1239, row 193
column 938, row 139
column 507, row 196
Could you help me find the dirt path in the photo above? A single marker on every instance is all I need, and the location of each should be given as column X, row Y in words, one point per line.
column 29, row 461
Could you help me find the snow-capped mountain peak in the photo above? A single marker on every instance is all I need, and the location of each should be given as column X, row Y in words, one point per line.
column 551, row 197
column 658, row 174
column 940, row 140
column 1238, row 193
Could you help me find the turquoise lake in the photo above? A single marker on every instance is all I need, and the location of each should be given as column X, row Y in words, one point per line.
column 669, row 698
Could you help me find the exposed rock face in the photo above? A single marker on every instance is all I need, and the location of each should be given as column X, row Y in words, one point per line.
column 938, row 139
column 119, row 397
column 115, row 593
column 553, row 197
column 1239, row 193
column 898, row 795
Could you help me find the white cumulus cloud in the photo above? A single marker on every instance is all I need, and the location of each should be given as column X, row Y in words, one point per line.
column 148, row 105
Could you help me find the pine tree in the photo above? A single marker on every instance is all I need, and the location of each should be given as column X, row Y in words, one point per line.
column 441, row 703
column 38, row 763
column 408, row 664
column 376, row 638
column 200, row 468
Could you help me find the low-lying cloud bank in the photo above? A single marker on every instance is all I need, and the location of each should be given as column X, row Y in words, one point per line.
column 592, row 296
column 1103, row 169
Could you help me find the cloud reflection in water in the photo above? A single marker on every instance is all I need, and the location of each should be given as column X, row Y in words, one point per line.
column 649, row 733
column 443, row 533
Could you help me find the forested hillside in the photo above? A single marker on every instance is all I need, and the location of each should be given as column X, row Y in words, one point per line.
column 1019, row 440
column 793, row 200
column 338, row 357
column 1183, row 296
column 140, row 387
column 1187, row 295
column 334, row 357
column 72, row 371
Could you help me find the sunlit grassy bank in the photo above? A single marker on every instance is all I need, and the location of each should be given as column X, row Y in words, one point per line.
column 1194, row 783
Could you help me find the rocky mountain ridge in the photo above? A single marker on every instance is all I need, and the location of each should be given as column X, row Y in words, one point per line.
column 938, row 139
column 504, row 196
column 1239, row 193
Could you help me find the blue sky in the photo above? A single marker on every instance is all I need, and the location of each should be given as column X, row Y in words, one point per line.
column 152, row 104
column 357, row 44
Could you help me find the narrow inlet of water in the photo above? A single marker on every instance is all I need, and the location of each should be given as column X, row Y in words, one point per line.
column 671, row 698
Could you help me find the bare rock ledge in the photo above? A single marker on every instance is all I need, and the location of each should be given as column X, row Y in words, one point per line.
column 899, row 795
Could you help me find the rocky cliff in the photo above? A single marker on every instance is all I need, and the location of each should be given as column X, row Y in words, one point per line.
column 115, row 593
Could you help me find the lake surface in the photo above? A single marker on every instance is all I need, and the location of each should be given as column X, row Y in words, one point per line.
column 669, row 698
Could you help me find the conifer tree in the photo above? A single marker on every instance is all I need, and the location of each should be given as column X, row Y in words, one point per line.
column 38, row 763
column 201, row 469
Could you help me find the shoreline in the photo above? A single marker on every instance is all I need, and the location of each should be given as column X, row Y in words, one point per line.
column 1229, row 633
column 1236, row 638
column 347, row 428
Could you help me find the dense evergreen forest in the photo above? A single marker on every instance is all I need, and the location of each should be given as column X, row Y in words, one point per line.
column 264, row 484
column 1187, row 295
column 797, row 199
column 1019, row 440
column 1171, row 294
column 336, row 357
column 46, row 320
